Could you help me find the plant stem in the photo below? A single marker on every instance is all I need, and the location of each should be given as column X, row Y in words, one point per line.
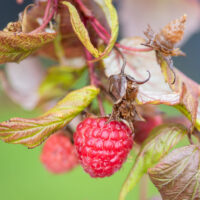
column 143, row 187
column 101, row 31
column 101, row 108
column 93, row 79
column 47, row 17
column 90, row 67
column 105, row 36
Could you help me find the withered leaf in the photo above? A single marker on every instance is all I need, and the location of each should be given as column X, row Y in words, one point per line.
column 158, row 90
column 161, row 140
column 177, row 176
column 32, row 132
column 165, row 40
column 15, row 47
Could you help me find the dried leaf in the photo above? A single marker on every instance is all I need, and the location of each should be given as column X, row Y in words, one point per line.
column 177, row 176
column 173, row 32
column 32, row 132
column 15, row 47
column 80, row 30
column 165, row 40
column 158, row 90
column 157, row 145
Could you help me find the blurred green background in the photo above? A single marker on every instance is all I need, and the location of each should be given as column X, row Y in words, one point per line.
column 22, row 176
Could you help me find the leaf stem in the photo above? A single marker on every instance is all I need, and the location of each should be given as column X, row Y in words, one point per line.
column 47, row 17
column 90, row 67
column 93, row 80
column 101, row 31
column 101, row 108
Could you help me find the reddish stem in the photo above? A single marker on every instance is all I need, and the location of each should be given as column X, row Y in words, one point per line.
column 101, row 31
column 93, row 79
column 101, row 35
column 90, row 67
column 47, row 17
column 101, row 108
column 47, row 9
column 101, row 28
column 105, row 36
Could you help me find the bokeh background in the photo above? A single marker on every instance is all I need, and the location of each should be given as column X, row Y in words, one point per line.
column 23, row 177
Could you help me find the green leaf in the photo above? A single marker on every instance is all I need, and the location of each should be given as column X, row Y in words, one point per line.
column 80, row 29
column 161, row 140
column 112, row 19
column 58, row 80
column 177, row 176
column 32, row 132
column 15, row 47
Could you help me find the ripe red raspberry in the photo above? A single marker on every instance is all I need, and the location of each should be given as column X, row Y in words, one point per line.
column 102, row 147
column 143, row 129
column 58, row 154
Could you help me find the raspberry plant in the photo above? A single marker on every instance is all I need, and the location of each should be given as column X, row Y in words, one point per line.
column 133, row 76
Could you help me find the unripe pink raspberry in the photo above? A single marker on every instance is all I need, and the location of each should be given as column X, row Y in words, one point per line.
column 58, row 154
column 143, row 129
column 102, row 147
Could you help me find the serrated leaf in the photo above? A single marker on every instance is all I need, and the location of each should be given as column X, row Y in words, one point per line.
column 159, row 89
column 32, row 132
column 80, row 30
column 177, row 176
column 161, row 140
column 112, row 19
column 15, row 47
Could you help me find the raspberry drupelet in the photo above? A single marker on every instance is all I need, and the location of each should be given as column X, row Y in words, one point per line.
column 102, row 147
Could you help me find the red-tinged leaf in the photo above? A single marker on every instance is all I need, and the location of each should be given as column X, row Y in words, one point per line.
column 70, row 43
column 15, row 47
column 177, row 176
column 159, row 89
column 32, row 132
column 157, row 145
